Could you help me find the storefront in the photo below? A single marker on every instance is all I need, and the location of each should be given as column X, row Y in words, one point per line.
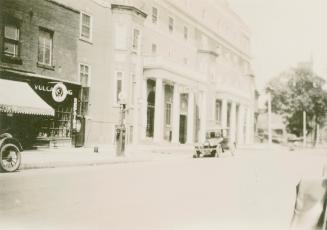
column 39, row 112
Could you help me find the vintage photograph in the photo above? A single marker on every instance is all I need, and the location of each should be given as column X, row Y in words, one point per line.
column 163, row 115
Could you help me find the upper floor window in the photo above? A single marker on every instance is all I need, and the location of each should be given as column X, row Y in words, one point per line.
column 45, row 47
column 185, row 33
column 11, row 40
column 218, row 111
column 171, row 24
column 154, row 15
column 119, row 85
column 86, row 27
column 136, row 39
column 154, row 48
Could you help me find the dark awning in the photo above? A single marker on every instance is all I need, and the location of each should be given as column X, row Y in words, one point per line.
column 19, row 97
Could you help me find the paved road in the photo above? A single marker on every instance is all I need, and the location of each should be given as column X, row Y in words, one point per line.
column 252, row 191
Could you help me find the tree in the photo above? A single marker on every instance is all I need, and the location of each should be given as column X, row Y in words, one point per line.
column 295, row 91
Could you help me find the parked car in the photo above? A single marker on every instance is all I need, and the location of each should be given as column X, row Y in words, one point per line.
column 10, row 152
column 215, row 144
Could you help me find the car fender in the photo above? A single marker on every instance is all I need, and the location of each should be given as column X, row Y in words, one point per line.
column 11, row 140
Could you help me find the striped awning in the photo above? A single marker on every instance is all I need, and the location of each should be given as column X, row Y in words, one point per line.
column 19, row 97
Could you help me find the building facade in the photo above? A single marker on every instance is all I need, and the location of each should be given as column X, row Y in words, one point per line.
column 185, row 68
column 182, row 67
column 38, row 71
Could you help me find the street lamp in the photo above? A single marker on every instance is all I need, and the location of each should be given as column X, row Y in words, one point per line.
column 120, row 128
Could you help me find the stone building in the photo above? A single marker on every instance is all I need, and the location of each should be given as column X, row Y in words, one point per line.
column 185, row 67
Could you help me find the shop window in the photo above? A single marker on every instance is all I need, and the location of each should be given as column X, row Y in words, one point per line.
column 154, row 15
column 171, row 24
column 61, row 124
column 85, row 90
column 136, row 39
column 45, row 47
column 11, row 40
column 85, row 27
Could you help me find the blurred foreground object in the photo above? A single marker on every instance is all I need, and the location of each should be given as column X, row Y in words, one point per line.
column 310, row 208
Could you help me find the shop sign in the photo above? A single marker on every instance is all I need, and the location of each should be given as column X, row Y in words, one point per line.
column 59, row 91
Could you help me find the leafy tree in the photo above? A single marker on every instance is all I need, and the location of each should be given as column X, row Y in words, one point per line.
column 295, row 91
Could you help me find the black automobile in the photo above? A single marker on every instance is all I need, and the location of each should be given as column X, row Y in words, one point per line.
column 10, row 152
column 216, row 143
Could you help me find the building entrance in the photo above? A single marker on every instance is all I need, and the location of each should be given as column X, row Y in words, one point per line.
column 182, row 128
column 150, row 114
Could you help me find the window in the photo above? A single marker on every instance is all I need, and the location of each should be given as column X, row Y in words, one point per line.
column 11, row 40
column 154, row 15
column 86, row 30
column 168, row 113
column 60, row 125
column 136, row 39
column 171, row 24
column 119, row 85
column 185, row 33
column 154, row 49
column 218, row 111
column 120, row 37
column 133, row 86
column 85, row 91
column 45, row 47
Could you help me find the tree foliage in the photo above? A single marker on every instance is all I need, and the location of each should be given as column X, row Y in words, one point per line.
column 295, row 91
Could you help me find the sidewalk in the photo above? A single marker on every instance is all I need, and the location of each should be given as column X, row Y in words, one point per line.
column 69, row 156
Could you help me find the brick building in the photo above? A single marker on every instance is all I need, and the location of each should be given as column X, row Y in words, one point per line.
column 39, row 83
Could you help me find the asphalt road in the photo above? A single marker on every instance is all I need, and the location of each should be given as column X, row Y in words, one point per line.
column 251, row 191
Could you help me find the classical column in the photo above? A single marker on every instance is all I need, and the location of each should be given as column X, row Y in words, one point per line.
column 248, row 126
column 203, row 116
column 158, row 114
column 224, row 113
column 190, row 118
column 232, row 133
column 176, row 114
column 144, row 106
column 240, row 131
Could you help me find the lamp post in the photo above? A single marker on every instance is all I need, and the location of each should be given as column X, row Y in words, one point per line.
column 120, row 128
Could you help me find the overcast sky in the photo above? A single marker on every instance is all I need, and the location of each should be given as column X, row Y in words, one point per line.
column 285, row 32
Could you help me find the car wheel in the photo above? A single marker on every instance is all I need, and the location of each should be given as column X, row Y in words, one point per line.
column 10, row 158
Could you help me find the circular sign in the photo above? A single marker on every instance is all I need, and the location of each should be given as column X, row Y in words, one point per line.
column 59, row 92
column 122, row 98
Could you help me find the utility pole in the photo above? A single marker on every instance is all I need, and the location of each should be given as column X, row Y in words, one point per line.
column 304, row 129
column 269, row 119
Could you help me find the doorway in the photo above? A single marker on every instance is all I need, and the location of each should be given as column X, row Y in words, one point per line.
column 150, row 114
column 182, row 128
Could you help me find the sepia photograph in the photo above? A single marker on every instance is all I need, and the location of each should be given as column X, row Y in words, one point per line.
column 163, row 115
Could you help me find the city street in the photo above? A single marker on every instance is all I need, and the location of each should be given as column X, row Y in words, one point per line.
column 253, row 190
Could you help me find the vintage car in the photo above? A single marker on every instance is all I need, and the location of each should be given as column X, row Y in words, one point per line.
column 216, row 143
column 10, row 152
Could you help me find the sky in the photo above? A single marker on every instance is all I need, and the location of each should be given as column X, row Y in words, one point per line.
column 284, row 33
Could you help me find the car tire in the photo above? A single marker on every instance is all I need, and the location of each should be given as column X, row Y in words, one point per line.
column 10, row 158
